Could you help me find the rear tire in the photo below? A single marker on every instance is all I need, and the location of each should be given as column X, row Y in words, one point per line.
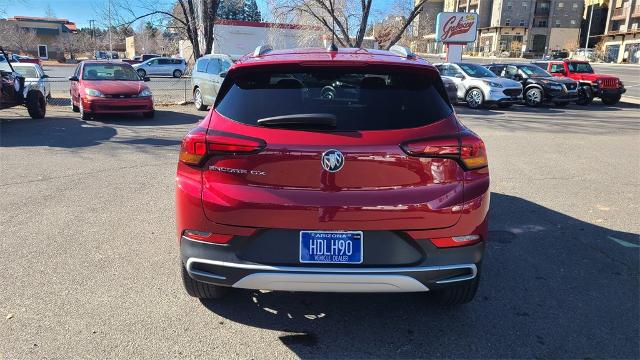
column 197, row 100
column 142, row 73
column 177, row 73
column 36, row 104
column 202, row 290
column 611, row 100
column 74, row 107
column 458, row 294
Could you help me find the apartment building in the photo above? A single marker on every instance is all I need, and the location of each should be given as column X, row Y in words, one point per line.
column 622, row 35
column 532, row 27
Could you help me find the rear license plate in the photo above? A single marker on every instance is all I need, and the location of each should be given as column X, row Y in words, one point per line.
column 341, row 247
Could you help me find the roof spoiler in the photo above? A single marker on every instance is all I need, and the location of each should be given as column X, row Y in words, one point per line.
column 262, row 50
column 402, row 51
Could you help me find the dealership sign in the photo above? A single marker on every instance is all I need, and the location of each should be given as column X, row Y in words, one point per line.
column 458, row 27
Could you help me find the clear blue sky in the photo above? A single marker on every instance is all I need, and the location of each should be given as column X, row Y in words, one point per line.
column 81, row 11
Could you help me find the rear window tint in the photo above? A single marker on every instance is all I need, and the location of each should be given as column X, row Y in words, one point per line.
column 358, row 100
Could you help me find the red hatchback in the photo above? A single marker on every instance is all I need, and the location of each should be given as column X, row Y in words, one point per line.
column 103, row 87
column 332, row 171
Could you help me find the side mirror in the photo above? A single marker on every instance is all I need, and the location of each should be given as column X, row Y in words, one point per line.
column 146, row 79
column 517, row 77
column 73, row 78
column 223, row 74
column 45, row 76
column 459, row 76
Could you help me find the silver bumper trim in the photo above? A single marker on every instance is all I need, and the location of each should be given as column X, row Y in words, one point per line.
column 303, row 278
column 331, row 282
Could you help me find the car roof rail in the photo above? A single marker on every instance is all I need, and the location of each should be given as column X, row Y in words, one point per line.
column 402, row 51
column 262, row 49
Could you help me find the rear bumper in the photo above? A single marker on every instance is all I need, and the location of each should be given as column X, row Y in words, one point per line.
column 125, row 105
column 219, row 265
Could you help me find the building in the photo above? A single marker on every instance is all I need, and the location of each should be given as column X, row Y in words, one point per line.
column 529, row 27
column 48, row 32
column 622, row 37
column 598, row 23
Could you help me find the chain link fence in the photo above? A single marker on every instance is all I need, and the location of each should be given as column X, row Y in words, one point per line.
column 166, row 91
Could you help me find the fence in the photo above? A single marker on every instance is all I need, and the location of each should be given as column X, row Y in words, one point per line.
column 166, row 91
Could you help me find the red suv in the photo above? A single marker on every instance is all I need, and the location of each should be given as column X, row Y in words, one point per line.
column 332, row 171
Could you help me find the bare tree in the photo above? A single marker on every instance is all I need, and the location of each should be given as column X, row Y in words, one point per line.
column 17, row 39
column 193, row 18
column 345, row 20
column 73, row 45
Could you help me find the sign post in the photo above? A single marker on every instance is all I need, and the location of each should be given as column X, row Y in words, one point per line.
column 455, row 30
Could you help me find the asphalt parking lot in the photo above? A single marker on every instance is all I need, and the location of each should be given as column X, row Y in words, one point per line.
column 89, row 259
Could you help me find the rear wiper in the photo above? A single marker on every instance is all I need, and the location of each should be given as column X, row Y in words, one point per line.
column 304, row 121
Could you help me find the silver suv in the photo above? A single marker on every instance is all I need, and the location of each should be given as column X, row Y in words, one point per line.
column 161, row 66
column 478, row 86
column 207, row 77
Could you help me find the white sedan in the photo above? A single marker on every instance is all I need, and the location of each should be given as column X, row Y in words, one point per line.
column 35, row 78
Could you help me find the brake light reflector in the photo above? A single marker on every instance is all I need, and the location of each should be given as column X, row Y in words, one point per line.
column 455, row 241
column 193, row 148
column 231, row 144
column 473, row 153
column 207, row 236
column 469, row 149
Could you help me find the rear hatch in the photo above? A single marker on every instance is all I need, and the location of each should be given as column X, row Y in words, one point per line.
column 306, row 147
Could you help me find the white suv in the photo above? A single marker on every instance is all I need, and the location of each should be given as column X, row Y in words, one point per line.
column 478, row 86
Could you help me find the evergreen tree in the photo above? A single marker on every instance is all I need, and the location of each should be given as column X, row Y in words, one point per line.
column 231, row 10
column 251, row 11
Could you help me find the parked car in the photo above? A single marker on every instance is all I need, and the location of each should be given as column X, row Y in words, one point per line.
column 34, row 77
column 584, row 54
column 607, row 87
column 15, row 92
column 314, row 173
column 162, row 66
column 102, row 87
column 478, row 86
column 140, row 58
column 106, row 55
column 539, row 86
column 207, row 78
column 452, row 90
column 556, row 55
column 25, row 59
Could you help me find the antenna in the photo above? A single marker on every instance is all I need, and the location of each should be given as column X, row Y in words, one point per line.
column 333, row 46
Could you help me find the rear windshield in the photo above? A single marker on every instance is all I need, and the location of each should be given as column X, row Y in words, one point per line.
column 358, row 100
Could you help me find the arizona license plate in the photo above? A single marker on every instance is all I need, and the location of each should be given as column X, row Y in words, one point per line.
column 342, row 247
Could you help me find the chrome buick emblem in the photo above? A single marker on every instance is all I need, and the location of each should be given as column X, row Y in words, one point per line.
column 332, row 160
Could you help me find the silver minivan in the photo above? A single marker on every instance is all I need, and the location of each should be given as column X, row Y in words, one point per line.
column 161, row 66
column 207, row 78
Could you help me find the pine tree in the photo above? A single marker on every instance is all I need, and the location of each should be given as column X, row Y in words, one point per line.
column 251, row 11
column 231, row 10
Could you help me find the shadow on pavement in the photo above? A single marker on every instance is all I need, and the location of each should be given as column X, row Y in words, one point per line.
column 162, row 118
column 552, row 286
column 69, row 131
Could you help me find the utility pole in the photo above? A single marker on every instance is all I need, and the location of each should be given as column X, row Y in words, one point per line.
column 110, row 44
column 93, row 35
column 586, row 41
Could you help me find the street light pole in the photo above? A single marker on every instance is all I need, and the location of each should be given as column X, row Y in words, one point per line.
column 110, row 44
column 586, row 41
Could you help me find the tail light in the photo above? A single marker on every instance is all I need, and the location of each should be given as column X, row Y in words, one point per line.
column 207, row 236
column 455, row 241
column 198, row 144
column 469, row 149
